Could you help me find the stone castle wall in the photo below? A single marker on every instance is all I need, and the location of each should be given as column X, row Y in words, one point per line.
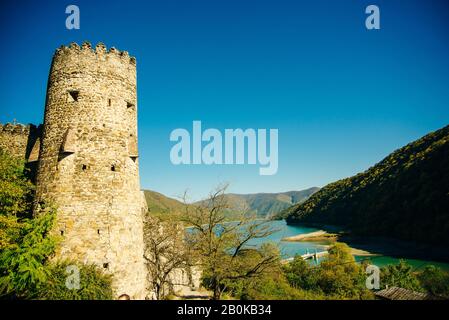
column 88, row 162
column 21, row 141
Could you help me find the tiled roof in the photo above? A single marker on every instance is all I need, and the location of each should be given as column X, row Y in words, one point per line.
column 396, row 293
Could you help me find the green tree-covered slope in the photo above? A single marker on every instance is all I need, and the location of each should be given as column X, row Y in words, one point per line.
column 405, row 196
column 160, row 204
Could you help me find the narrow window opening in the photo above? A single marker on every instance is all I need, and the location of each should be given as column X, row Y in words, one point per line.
column 105, row 265
column 98, row 231
column 109, row 102
column 62, row 232
column 112, row 168
column 84, row 167
column 74, row 95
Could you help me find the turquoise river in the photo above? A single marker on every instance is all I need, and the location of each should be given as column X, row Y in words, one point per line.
column 290, row 249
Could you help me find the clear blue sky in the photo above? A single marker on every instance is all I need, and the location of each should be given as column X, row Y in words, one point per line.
column 342, row 97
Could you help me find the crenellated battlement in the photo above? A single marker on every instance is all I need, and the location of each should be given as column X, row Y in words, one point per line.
column 18, row 128
column 19, row 140
column 100, row 49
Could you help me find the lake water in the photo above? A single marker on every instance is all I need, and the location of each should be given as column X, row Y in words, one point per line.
column 290, row 249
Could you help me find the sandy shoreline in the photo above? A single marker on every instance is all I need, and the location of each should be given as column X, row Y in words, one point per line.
column 312, row 236
column 322, row 235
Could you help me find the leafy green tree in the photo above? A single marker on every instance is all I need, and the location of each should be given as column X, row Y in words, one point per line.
column 15, row 189
column 270, row 286
column 15, row 195
column 338, row 276
column 25, row 241
column 300, row 274
column 435, row 281
column 400, row 275
column 22, row 263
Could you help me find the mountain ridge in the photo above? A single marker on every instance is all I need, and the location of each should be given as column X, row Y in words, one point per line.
column 404, row 196
column 262, row 204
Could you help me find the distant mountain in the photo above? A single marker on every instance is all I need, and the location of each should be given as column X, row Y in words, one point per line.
column 405, row 196
column 158, row 204
column 268, row 204
column 262, row 204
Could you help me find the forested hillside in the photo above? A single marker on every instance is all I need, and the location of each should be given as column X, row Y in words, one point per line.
column 404, row 196
column 160, row 204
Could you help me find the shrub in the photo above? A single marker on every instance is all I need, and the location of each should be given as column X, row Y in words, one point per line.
column 93, row 283
column 435, row 281
column 15, row 189
column 400, row 275
column 22, row 262
column 337, row 277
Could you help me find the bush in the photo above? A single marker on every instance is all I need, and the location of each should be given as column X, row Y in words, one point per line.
column 271, row 285
column 22, row 262
column 15, row 189
column 93, row 283
column 340, row 276
column 300, row 274
column 435, row 281
column 400, row 275
column 337, row 277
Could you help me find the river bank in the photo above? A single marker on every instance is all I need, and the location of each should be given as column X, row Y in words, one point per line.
column 321, row 235
column 373, row 246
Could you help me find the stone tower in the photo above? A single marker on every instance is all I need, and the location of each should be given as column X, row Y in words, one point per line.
column 88, row 162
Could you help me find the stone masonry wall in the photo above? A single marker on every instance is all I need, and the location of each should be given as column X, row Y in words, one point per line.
column 23, row 142
column 18, row 140
column 88, row 162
